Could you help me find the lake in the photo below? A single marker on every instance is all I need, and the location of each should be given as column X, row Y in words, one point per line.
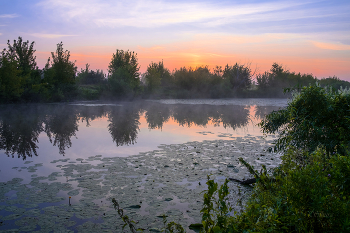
column 61, row 164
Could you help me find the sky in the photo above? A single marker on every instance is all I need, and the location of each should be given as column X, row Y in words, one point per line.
column 311, row 37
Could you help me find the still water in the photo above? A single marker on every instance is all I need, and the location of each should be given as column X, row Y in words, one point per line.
column 42, row 133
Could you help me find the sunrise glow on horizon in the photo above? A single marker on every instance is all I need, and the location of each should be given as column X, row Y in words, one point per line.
column 311, row 37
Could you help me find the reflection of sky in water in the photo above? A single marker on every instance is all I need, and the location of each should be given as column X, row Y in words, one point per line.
column 97, row 140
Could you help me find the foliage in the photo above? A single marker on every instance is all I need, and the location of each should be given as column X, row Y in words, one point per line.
column 124, row 74
column 23, row 53
column 272, row 83
column 125, row 218
column 334, row 82
column 20, row 77
column 238, row 76
column 10, row 80
column 89, row 92
column 310, row 190
column 59, row 74
column 157, row 76
column 215, row 211
column 192, row 79
column 290, row 198
column 314, row 198
column 314, row 117
column 171, row 227
column 22, row 81
column 90, row 84
column 88, row 76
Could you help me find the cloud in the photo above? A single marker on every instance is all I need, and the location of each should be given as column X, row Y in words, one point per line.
column 49, row 36
column 331, row 46
column 10, row 16
column 156, row 13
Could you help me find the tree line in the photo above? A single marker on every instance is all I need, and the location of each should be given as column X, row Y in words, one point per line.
column 22, row 81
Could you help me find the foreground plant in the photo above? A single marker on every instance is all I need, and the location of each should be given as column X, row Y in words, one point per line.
column 215, row 210
column 313, row 198
column 316, row 116
column 171, row 227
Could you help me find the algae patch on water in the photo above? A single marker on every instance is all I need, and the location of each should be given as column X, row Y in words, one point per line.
column 165, row 181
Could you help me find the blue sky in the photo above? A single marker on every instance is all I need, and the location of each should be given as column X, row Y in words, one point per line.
column 304, row 36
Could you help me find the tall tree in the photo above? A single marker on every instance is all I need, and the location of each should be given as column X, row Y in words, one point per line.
column 60, row 73
column 22, row 52
column 157, row 76
column 10, row 80
column 19, row 84
column 124, row 73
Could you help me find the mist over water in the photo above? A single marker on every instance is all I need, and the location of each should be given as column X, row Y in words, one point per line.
column 118, row 129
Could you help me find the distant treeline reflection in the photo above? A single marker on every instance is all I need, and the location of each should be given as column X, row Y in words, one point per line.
column 21, row 125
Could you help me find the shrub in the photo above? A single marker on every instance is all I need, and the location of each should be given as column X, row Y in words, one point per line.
column 314, row 117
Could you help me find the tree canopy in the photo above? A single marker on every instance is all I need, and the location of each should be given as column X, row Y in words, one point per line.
column 124, row 73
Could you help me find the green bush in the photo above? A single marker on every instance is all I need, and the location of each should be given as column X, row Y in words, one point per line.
column 314, row 198
column 89, row 92
column 313, row 118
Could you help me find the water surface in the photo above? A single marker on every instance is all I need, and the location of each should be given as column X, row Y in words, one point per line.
column 36, row 140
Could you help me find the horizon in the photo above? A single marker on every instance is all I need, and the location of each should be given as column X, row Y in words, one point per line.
column 303, row 36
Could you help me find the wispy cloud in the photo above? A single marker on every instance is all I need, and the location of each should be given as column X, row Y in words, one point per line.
column 49, row 36
column 331, row 46
column 9, row 16
column 156, row 13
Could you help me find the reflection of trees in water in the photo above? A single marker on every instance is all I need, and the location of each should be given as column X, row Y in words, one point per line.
column 88, row 114
column 262, row 111
column 229, row 116
column 17, row 134
column 124, row 124
column 21, row 125
column 234, row 116
column 186, row 115
column 156, row 116
column 60, row 126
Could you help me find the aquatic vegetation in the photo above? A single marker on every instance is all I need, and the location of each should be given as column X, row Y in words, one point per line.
column 167, row 181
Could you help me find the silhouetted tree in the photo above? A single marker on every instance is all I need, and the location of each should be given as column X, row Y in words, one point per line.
column 238, row 76
column 25, row 83
column 88, row 76
column 10, row 80
column 124, row 74
column 59, row 73
column 157, row 76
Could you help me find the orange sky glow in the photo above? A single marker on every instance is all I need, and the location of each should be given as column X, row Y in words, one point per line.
column 306, row 37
